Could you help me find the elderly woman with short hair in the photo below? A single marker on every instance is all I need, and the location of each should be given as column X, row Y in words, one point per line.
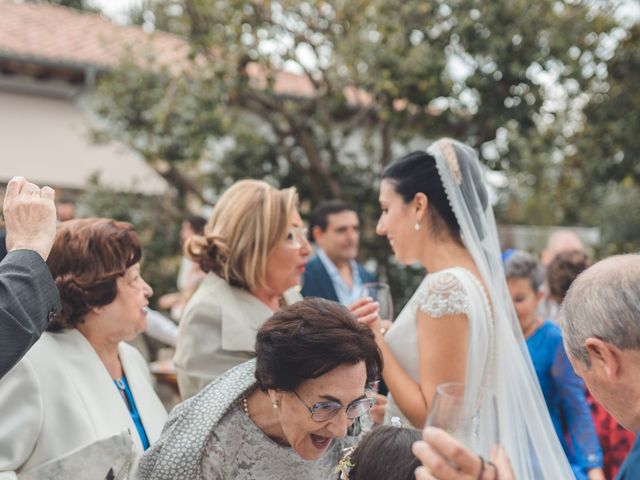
column 287, row 414
column 254, row 249
column 563, row 390
column 81, row 384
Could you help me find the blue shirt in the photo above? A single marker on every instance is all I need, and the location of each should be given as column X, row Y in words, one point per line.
column 564, row 393
column 123, row 386
column 346, row 295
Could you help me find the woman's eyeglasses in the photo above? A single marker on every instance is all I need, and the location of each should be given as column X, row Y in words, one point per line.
column 323, row 411
column 296, row 237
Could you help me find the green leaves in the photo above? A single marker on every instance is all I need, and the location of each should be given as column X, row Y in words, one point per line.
column 323, row 93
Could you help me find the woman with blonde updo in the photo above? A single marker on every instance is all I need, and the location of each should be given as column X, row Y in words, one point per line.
column 254, row 249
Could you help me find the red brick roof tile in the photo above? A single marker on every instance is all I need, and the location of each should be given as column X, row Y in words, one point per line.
column 60, row 35
column 51, row 34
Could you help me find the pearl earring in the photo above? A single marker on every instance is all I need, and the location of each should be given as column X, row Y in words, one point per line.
column 275, row 404
column 417, row 226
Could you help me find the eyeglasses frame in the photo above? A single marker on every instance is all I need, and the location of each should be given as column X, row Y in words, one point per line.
column 369, row 398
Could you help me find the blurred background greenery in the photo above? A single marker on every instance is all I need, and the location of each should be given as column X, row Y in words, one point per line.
column 322, row 94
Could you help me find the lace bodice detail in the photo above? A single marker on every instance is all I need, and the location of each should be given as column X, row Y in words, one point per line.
column 442, row 294
column 453, row 291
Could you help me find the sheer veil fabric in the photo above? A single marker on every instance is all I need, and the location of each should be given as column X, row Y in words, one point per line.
column 503, row 391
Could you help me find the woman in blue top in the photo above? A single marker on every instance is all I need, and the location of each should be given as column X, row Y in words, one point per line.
column 563, row 390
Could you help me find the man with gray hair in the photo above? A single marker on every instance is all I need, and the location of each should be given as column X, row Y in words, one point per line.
column 600, row 320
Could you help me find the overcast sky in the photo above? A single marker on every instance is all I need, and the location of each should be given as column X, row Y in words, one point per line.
column 116, row 9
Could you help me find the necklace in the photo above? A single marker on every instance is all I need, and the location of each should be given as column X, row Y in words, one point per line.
column 245, row 407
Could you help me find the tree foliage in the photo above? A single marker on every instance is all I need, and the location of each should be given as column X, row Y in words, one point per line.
column 157, row 222
column 323, row 94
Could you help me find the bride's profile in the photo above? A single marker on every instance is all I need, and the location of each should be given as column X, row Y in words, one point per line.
column 460, row 325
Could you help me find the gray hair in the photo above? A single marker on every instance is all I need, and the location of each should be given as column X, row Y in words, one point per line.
column 524, row 265
column 603, row 302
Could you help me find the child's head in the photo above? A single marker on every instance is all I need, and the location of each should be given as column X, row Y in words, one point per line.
column 525, row 275
column 383, row 454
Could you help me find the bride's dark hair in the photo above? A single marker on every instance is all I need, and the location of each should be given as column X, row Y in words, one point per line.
column 416, row 172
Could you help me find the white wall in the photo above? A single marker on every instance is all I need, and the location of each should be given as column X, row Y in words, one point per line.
column 46, row 139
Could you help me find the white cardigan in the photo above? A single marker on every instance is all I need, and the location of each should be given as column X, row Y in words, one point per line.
column 60, row 397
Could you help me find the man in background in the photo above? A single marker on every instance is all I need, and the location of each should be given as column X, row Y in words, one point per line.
column 563, row 240
column 334, row 273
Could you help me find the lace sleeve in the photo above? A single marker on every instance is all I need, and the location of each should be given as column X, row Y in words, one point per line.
column 442, row 294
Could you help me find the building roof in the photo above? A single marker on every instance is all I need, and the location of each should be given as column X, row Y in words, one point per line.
column 55, row 36
column 51, row 34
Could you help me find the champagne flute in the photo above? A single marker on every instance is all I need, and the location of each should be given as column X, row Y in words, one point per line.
column 381, row 293
column 447, row 412
column 475, row 427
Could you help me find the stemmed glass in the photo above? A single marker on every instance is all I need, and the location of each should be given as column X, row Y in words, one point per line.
column 447, row 412
column 381, row 293
column 476, row 429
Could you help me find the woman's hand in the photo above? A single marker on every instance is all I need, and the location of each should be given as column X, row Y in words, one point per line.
column 367, row 312
column 378, row 410
column 444, row 458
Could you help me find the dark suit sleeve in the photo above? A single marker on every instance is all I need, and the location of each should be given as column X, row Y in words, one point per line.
column 630, row 469
column 365, row 275
column 317, row 282
column 28, row 299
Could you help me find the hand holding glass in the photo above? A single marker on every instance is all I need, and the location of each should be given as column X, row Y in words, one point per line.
column 475, row 428
column 381, row 293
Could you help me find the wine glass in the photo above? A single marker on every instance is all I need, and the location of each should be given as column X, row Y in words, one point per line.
column 381, row 293
column 447, row 412
column 474, row 426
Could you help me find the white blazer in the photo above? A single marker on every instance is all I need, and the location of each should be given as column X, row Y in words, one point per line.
column 60, row 397
column 217, row 332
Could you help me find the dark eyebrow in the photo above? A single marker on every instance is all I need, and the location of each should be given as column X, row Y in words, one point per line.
column 330, row 398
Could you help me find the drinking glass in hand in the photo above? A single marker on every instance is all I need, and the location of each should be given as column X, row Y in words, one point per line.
column 475, row 428
column 381, row 293
column 447, row 412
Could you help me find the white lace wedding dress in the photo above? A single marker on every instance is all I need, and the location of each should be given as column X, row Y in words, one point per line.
column 447, row 292
column 501, row 388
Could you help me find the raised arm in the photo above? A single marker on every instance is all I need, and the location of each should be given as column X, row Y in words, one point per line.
column 28, row 295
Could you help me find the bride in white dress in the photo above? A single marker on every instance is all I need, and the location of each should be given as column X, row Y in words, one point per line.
column 460, row 325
